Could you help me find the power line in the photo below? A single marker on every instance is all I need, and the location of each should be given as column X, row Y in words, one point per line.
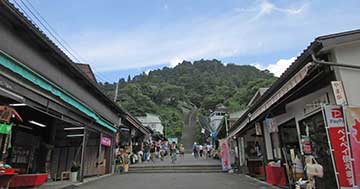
column 55, row 35
column 50, row 33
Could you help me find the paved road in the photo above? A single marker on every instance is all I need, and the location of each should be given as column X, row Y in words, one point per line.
column 189, row 134
column 176, row 181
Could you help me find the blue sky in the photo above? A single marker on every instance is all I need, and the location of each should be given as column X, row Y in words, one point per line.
column 126, row 37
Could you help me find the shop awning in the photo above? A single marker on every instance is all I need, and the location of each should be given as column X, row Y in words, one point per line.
column 28, row 74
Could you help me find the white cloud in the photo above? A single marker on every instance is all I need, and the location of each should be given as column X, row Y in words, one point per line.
column 166, row 6
column 278, row 68
column 147, row 71
column 175, row 61
column 253, row 30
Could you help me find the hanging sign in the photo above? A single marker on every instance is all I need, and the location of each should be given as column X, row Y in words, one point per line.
column 258, row 129
column 105, row 141
column 339, row 144
column 225, row 155
column 353, row 126
column 272, row 125
column 5, row 128
column 339, row 92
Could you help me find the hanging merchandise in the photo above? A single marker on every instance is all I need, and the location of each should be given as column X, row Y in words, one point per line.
column 313, row 168
column 5, row 128
column 6, row 113
column 306, row 145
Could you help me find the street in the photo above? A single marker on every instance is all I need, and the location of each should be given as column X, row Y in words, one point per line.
column 176, row 181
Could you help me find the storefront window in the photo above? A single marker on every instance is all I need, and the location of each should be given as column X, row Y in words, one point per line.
column 313, row 128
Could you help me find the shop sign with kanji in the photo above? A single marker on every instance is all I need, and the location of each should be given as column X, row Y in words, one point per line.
column 353, row 126
column 339, row 145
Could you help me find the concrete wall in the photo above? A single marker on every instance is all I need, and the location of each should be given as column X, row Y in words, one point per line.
column 349, row 54
column 17, row 45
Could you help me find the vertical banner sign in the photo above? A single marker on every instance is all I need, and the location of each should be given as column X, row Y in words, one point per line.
column 353, row 126
column 258, row 129
column 339, row 144
column 339, row 92
column 225, row 155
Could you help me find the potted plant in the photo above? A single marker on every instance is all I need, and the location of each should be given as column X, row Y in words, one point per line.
column 126, row 161
column 74, row 172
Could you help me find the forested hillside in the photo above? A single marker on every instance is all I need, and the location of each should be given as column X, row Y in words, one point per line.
column 203, row 83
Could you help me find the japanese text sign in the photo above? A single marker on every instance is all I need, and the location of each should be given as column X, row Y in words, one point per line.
column 339, row 144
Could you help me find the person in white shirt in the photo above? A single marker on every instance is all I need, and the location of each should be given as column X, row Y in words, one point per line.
column 201, row 150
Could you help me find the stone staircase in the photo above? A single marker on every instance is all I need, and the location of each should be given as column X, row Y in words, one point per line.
column 176, row 169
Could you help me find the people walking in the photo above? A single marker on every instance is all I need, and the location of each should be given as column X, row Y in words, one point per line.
column 195, row 150
column 182, row 151
column 201, row 149
column 173, row 152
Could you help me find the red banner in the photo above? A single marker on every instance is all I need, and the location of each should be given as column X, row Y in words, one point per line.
column 225, row 155
column 339, row 145
column 353, row 126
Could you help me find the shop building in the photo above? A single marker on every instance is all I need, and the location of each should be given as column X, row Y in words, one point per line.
column 289, row 123
column 65, row 118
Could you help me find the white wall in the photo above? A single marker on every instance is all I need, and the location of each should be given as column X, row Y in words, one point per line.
column 349, row 54
column 295, row 110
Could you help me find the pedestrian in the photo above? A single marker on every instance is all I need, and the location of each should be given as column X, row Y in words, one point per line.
column 162, row 151
column 152, row 153
column 146, row 152
column 205, row 152
column 173, row 152
column 209, row 149
column 195, row 150
column 201, row 149
column 182, row 151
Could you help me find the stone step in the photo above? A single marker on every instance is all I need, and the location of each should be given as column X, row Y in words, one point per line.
column 175, row 171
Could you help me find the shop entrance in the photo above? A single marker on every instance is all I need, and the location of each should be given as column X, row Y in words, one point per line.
column 313, row 129
column 254, row 153
column 290, row 149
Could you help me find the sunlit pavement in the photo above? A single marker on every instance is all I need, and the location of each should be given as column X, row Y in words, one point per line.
column 177, row 181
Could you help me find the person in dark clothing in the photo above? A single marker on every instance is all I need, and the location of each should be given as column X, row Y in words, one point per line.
column 152, row 153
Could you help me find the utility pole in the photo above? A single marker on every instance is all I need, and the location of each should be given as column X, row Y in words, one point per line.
column 116, row 91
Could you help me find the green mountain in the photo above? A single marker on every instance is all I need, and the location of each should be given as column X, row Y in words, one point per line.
column 168, row 92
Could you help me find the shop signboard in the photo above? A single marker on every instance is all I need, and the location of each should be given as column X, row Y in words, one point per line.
column 339, row 144
column 272, row 125
column 353, row 126
column 258, row 129
column 225, row 155
column 339, row 92
column 105, row 141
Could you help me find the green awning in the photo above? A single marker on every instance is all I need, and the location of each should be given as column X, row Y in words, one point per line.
column 25, row 72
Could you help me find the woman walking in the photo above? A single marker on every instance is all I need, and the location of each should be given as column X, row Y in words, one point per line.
column 182, row 151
